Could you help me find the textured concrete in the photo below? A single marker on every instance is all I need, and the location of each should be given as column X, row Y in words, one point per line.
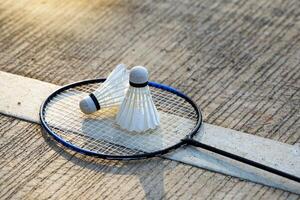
column 239, row 60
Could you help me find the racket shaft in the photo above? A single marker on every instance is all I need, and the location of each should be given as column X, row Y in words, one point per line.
column 241, row 159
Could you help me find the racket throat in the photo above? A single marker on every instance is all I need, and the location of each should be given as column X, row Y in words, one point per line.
column 190, row 141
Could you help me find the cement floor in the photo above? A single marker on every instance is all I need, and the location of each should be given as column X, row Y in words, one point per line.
column 239, row 60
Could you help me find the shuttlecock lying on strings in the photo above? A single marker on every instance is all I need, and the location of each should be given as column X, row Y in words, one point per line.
column 110, row 93
column 137, row 111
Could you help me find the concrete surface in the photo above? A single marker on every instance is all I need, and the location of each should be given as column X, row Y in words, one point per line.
column 239, row 60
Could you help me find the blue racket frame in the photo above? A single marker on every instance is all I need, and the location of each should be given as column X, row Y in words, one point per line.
column 73, row 147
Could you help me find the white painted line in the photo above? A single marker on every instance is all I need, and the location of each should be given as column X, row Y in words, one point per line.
column 21, row 97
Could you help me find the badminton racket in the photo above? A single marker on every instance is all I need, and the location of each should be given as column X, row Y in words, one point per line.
column 98, row 134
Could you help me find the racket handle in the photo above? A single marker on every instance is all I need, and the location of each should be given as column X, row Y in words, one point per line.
column 241, row 159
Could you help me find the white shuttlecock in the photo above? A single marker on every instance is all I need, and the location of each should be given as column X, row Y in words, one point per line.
column 137, row 111
column 111, row 92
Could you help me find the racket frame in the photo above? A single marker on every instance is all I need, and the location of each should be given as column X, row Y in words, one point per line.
column 145, row 155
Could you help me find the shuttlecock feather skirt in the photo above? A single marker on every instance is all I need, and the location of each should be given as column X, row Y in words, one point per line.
column 110, row 95
column 137, row 111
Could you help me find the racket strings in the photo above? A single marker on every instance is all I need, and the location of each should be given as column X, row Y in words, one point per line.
column 99, row 133
column 97, row 145
column 91, row 127
column 72, row 135
column 69, row 122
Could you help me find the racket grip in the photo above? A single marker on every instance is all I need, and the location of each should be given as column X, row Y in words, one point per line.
column 241, row 159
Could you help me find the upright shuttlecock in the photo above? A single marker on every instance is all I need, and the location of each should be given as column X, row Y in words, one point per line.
column 137, row 111
column 111, row 92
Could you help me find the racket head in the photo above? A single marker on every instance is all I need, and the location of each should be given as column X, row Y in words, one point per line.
column 98, row 135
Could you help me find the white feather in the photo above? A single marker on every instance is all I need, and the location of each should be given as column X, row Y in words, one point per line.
column 110, row 93
column 137, row 111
